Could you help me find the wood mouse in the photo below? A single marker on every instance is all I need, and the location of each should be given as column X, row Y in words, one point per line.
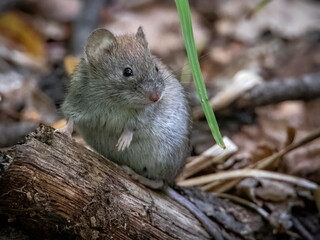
column 128, row 107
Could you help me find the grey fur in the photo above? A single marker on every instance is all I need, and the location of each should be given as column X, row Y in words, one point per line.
column 103, row 103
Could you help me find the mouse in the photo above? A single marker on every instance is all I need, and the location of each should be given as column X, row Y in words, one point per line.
column 127, row 106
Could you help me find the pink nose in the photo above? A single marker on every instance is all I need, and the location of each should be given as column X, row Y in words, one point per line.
column 154, row 96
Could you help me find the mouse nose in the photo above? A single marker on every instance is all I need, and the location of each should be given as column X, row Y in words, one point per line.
column 153, row 96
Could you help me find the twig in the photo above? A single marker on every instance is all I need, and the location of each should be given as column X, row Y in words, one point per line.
column 263, row 163
column 213, row 155
column 241, row 173
column 301, row 229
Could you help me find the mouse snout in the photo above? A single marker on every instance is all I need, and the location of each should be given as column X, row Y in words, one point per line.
column 153, row 96
column 153, row 89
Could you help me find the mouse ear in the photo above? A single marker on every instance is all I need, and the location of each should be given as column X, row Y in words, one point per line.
column 141, row 37
column 100, row 41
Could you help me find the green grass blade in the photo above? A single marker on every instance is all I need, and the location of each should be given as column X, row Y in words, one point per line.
column 186, row 25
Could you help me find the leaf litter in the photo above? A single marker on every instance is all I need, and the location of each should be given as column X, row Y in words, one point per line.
column 271, row 163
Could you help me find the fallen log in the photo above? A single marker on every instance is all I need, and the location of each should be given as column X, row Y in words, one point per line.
column 305, row 87
column 56, row 188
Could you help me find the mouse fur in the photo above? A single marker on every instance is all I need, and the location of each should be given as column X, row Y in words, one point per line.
column 103, row 103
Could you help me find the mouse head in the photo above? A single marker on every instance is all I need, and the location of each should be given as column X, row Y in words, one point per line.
column 123, row 68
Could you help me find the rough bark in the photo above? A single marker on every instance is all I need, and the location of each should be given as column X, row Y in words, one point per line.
column 55, row 187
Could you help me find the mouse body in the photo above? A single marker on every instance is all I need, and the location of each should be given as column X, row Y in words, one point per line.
column 128, row 107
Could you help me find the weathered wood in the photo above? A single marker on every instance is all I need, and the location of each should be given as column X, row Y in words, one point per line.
column 305, row 87
column 56, row 186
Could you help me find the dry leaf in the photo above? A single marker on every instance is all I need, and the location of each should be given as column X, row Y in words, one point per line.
column 164, row 37
column 286, row 18
column 275, row 190
column 281, row 220
column 247, row 188
column 70, row 63
column 59, row 10
column 213, row 155
column 16, row 27
column 59, row 124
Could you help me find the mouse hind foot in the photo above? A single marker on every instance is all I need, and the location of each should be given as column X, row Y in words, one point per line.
column 153, row 184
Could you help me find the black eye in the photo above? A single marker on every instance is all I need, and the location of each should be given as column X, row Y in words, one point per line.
column 157, row 69
column 127, row 72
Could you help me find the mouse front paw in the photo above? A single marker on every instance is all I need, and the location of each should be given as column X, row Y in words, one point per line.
column 124, row 140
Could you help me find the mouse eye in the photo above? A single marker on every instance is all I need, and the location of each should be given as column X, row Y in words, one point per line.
column 127, row 72
column 157, row 69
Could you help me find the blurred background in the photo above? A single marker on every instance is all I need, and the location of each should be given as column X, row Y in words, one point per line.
column 261, row 65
